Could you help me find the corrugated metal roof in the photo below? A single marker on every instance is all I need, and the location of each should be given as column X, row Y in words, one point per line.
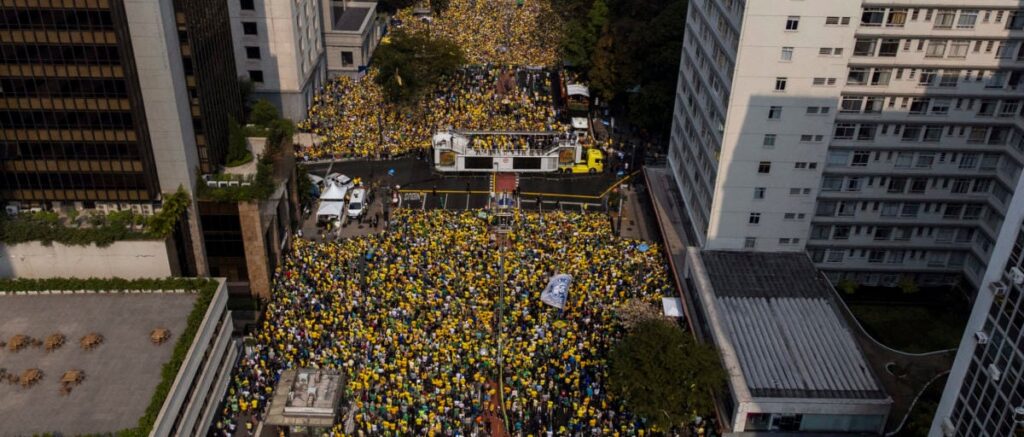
column 763, row 274
column 796, row 347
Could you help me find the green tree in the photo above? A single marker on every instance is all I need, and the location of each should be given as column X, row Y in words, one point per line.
column 663, row 375
column 238, row 153
column 413, row 63
column 582, row 33
column 604, row 73
column 263, row 113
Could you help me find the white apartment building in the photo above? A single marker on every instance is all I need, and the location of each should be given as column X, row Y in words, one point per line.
column 279, row 46
column 883, row 137
column 984, row 394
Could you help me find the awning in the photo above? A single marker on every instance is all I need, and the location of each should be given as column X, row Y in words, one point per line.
column 575, row 89
column 330, row 209
column 672, row 306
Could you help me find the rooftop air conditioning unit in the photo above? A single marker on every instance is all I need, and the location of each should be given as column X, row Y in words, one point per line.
column 222, row 184
column 948, row 430
column 994, row 372
column 1017, row 275
column 981, row 336
column 246, row 184
column 232, row 183
column 1018, row 415
column 211, row 184
column 11, row 209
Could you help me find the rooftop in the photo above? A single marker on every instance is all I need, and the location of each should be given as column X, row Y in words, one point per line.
column 776, row 323
column 348, row 19
column 121, row 373
column 311, row 398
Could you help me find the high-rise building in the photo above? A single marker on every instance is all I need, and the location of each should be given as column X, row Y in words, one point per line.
column 279, row 46
column 984, row 394
column 106, row 105
column 885, row 138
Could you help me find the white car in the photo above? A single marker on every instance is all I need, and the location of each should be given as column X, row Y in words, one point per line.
column 357, row 203
column 340, row 180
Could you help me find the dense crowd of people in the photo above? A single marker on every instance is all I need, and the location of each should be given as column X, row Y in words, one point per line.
column 502, row 33
column 352, row 119
column 409, row 317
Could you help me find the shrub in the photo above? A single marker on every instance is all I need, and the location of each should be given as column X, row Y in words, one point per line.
column 263, row 113
column 238, row 153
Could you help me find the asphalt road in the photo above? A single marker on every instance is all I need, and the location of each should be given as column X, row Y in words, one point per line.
column 416, row 174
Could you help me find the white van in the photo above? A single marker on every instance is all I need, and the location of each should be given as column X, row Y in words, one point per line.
column 357, row 203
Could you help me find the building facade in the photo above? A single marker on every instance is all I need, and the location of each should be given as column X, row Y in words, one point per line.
column 884, row 138
column 984, row 393
column 279, row 46
column 351, row 34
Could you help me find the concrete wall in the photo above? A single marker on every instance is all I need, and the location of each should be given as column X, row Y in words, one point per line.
column 123, row 259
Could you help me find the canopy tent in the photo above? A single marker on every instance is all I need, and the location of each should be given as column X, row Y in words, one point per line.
column 331, row 208
column 334, row 193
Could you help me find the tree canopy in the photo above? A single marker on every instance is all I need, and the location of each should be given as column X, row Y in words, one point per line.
column 663, row 375
column 412, row 63
column 629, row 50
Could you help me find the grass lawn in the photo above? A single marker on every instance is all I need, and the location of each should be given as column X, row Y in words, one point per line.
column 912, row 328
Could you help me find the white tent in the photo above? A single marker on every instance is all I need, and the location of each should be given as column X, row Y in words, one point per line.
column 334, row 193
column 330, row 209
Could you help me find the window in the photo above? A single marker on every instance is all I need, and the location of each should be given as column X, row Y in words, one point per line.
column 818, row 81
column 1009, row 108
column 835, row 255
column 944, row 18
column 936, row 49
column 860, row 158
column 949, row 78
column 925, row 160
column 792, row 22
column 904, row 159
column 932, row 134
column 919, row 105
column 248, row 28
column 864, row 47
column 769, row 141
column 346, row 59
column 967, row 19
column 252, row 52
column 787, row 54
column 780, row 84
column 844, row 131
column 857, row 76
column 959, row 48
column 897, row 17
column 256, row 76
column 940, row 106
column 867, row 132
column 851, row 104
column 774, row 112
column 960, row 185
column 825, row 51
column 831, row 21
column 764, row 167
column 872, row 16
column 830, row 183
column 749, row 242
column 853, row 183
column 880, row 76
column 838, row 158
column 889, row 47
column 759, row 193
column 927, row 76
column 248, row 5
column 912, row 133
column 755, row 218
column 812, row 110
column 873, row 105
